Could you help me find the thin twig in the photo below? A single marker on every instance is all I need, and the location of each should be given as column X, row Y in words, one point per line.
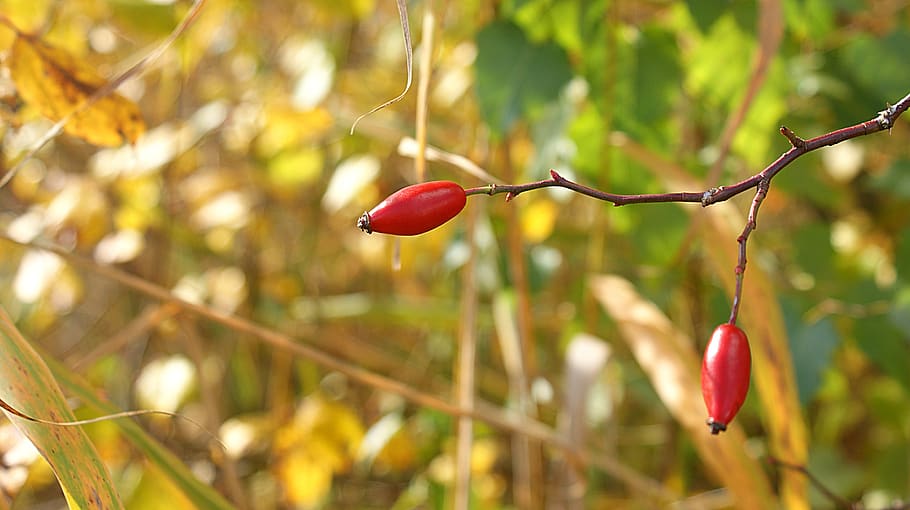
column 883, row 121
column 150, row 318
column 762, row 181
column 828, row 493
column 761, row 192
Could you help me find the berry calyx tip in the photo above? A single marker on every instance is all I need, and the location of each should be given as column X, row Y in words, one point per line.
column 363, row 223
column 716, row 426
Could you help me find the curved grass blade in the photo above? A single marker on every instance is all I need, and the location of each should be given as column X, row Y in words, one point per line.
column 199, row 493
column 27, row 385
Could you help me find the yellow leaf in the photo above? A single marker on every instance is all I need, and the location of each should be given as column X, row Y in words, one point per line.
column 289, row 170
column 156, row 491
column 538, row 220
column 306, row 480
column 357, row 9
column 58, row 84
column 25, row 14
column 400, row 453
column 321, row 441
column 287, row 128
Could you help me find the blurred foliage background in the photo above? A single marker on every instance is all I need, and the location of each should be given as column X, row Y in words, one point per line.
column 243, row 192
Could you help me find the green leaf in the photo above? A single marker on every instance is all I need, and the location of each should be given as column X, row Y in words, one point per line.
column 885, row 345
column 646, row 98
column 902, row 255
column 811, row 346
column 811, row 20
column 879, row 63
column 516, row 76
column 718, row 67
column 895, row 181
column 705, row 13
column 27, row 385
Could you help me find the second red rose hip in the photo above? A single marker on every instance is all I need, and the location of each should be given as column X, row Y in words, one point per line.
column 725, row 372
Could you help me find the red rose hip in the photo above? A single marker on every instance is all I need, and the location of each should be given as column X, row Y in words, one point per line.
column 415, row 209
column 725, row 372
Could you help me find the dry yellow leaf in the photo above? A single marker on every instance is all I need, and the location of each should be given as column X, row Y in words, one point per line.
column 58, row 84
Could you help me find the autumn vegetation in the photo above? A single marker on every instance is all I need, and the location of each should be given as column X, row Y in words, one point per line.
column 563, row 197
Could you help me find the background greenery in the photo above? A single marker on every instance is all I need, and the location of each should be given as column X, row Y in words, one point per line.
column 243, row 195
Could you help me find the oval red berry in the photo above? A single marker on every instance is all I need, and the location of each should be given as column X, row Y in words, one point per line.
column 725, row 372
column 415, row 209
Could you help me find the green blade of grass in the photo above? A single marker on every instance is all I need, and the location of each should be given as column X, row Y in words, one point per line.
column 199, row 493
column 27, row 385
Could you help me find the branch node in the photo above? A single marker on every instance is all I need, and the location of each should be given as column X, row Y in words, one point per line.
column 708, row 195
column 885, row 117
column 795, row 140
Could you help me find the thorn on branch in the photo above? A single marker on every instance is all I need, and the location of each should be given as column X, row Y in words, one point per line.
column 795, row 140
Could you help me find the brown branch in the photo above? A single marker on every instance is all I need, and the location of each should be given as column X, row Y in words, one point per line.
column 760, row 194
column 883, row 121
column 762, row 181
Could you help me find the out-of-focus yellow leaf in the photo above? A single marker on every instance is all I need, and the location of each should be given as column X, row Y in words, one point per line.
column 25, row 14
column 672, row 365
column 156, row 492
column 57, row 84
column 82, row 207
column 289, row 170
column 321, row 441
column 389, row 444
column 399, row 453
column 304, row 475
column 286, row 128
column 484, row 453
column 538, row 219
column 357, row 9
